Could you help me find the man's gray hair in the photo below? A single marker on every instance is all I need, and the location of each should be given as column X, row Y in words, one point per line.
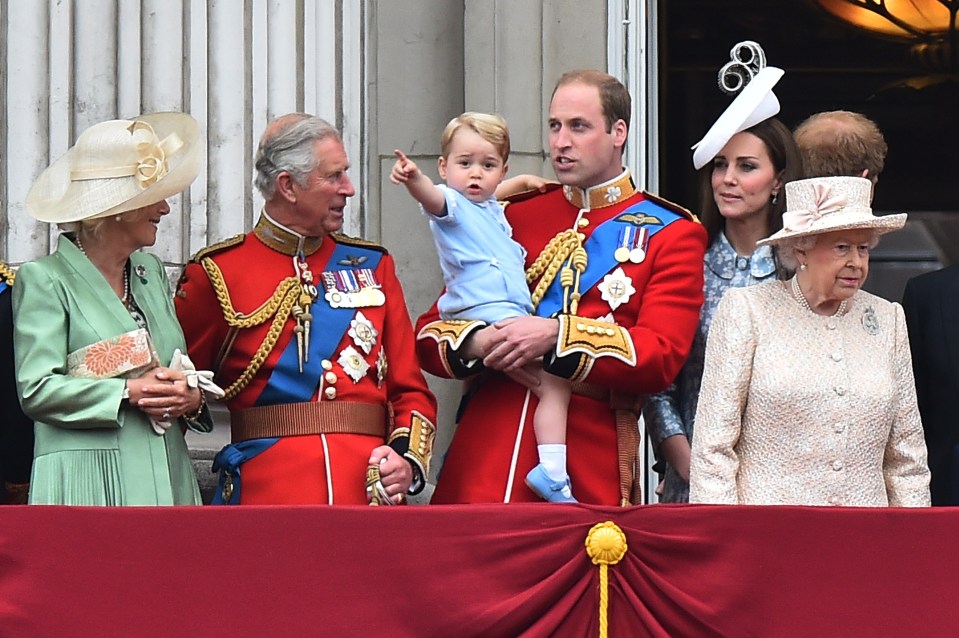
column 289, row 148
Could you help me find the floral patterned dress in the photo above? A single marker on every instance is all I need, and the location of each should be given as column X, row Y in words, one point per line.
column 673, row 411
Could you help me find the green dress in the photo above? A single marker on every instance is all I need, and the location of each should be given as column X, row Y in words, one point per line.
column 92, row 447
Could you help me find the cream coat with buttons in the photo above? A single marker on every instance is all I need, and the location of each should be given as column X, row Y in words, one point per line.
column 801, row 409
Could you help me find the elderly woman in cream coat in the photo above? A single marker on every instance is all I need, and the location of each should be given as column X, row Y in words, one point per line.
column 95, row 335
column 808, row 395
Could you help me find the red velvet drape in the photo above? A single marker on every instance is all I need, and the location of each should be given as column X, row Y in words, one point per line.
column 478, row 570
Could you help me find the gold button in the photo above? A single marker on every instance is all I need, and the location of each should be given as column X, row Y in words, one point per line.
column 330, row 377
column 327, row 364
column 330, row 393
column 583, row 222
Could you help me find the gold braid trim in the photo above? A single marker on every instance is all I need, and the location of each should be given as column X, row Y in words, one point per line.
column 563, row 255
column 7, row 273
column 278, row 306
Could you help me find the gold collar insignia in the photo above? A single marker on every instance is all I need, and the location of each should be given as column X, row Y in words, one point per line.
column 602, row 195
column 282, row 239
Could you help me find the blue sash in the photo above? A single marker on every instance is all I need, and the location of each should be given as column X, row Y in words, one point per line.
column 228, row 462
column 601, row 245
column 286, row 383
column 3, row 286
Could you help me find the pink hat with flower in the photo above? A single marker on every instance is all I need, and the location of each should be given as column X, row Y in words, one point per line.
column 826, row 204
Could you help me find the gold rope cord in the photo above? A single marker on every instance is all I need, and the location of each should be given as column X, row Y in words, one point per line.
column 605, row 545
column 7, row 273
column 278, row 306
column 563, row 255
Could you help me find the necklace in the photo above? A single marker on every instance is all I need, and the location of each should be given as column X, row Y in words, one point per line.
column 801, row 298
column 127, row 298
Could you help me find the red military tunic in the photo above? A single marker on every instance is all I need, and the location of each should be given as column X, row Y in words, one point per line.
column 636, row 348
column 373, row 364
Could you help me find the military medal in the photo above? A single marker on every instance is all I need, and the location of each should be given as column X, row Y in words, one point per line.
column 363, row 332
column 357, row 288
column 621, row 254
column 640, row 243
column 616, row 288
column 633, row 242
column 353, row 363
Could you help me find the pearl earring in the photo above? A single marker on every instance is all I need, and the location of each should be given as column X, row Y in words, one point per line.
column 802, row 266
column 775, row 198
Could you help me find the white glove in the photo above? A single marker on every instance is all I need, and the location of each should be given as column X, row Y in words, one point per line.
column 202, row 379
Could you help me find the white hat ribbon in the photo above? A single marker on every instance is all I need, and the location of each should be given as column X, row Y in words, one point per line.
column 151, row 162
column 826, row 203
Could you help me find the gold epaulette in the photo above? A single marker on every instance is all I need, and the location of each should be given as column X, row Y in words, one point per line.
column 593, row 339
column 7, row 273
column 340, row 238
column 671, row 206
column 236, row 240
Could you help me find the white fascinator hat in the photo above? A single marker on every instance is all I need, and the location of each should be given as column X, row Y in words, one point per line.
column 118, row 166
column 746, row 73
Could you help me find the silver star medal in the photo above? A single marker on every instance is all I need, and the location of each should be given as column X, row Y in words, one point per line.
column 616, row 288
column 363, row 333
column 353, row 363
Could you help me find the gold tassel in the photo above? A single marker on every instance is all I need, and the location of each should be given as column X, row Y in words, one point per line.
column 605, row 545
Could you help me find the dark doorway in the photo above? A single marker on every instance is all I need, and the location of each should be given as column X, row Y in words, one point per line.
column 829, row 65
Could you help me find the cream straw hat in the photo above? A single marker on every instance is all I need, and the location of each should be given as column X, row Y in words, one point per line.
column 119, row 166
column 825, row 204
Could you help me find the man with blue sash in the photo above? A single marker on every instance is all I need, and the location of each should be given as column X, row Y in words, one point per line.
column 307, row 330
column 616, row 275
column 16, row 429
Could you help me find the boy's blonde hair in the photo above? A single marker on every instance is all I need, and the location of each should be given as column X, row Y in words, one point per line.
column 489, row 126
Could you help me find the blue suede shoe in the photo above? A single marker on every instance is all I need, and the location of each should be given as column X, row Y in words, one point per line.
column 548, row 489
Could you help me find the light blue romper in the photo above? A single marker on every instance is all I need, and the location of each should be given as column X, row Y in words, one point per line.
column 484, row 269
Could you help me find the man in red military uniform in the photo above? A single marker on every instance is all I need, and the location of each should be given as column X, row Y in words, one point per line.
column 308, row 331
column 617, row 277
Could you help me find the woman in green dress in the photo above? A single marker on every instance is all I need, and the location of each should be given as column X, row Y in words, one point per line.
column 95, row 331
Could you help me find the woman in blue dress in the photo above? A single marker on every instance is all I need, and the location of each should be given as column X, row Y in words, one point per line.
column 744, row 160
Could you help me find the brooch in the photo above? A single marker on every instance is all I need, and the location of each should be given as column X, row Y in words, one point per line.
column 870, row 322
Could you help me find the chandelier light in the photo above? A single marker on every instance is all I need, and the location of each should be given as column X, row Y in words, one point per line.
column 929, row 26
